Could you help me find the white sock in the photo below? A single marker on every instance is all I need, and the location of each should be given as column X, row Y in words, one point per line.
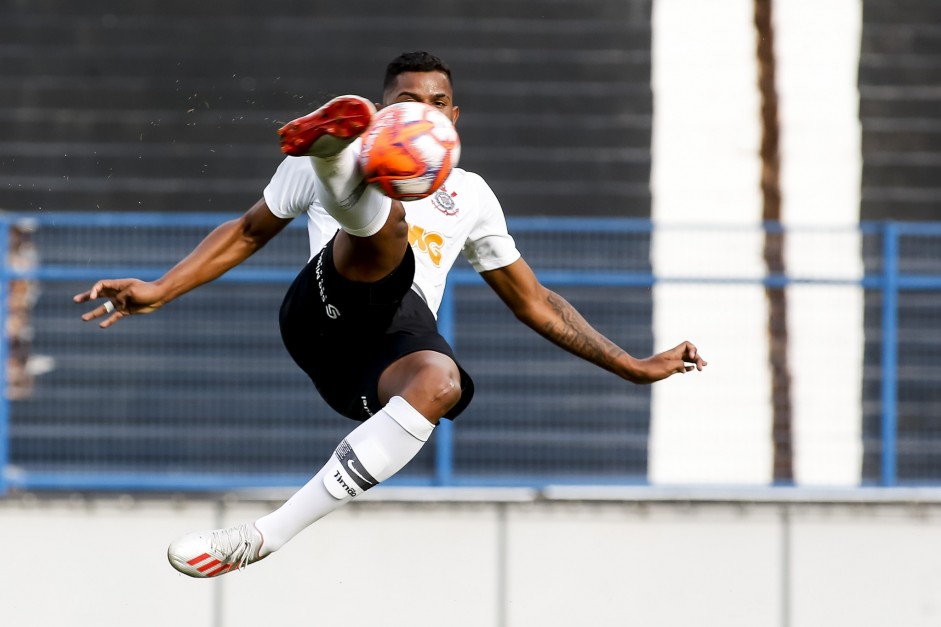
column 373, row 452
column 360, row 209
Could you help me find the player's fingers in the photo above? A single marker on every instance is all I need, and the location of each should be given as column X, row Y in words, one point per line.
column 92, row 294
column 95, row 291
column 88, row 295
column 106, row 288
column 692, row 355
column 111, row 319
column 99, row 311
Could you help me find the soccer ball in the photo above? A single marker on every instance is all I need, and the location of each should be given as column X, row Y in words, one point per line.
column 409, row 150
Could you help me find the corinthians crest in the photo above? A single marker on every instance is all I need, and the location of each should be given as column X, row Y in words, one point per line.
column 444, row 201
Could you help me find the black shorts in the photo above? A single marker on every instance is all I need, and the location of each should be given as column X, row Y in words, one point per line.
column 344, row 334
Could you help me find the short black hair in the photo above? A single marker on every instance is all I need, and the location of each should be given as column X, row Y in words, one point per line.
column 419, row 61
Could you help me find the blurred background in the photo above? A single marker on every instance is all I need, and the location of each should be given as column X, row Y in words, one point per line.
column 760, row 177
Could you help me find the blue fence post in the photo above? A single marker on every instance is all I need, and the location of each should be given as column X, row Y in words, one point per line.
column 890, row 291
column 444, row 433
column 4, row 352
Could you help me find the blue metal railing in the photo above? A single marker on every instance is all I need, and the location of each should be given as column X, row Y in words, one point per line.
column 4, row 351
column 890, row 282
column 890, row 288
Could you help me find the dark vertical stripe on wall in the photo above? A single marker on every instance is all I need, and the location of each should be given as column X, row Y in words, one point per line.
column 900, row 110
column 783, row 462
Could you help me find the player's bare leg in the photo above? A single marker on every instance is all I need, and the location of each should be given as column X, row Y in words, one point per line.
column 369, row 259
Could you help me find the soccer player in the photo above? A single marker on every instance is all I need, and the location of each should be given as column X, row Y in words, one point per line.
column 360, row 317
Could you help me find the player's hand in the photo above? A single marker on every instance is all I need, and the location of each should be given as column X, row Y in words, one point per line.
column 125, row 297
column 678, row 360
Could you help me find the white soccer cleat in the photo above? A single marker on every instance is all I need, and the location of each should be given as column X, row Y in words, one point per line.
column 329, row 129
column 210, row 553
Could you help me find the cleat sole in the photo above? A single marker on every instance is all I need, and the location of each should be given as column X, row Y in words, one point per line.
column 328, row 130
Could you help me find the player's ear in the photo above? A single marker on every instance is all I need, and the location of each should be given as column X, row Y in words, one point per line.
column 455, row 112
column 379, row 105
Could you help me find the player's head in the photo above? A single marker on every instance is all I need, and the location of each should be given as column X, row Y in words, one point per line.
column 423, row 77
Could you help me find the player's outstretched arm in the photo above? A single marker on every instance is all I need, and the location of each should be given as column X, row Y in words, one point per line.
column 557, row 320
column 225, row 247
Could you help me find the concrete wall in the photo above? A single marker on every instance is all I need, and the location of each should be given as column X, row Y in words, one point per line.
column 646, row 557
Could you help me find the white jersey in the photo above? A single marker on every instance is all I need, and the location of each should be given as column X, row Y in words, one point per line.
column 463, row 216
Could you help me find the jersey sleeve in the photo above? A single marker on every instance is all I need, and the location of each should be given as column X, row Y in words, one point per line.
column 291, row 190
column 489, row 245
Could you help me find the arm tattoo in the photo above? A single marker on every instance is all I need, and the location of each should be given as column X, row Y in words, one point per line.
column 572, row 332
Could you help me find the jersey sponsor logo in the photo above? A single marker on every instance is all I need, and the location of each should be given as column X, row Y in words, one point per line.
column 443, row 201
column 427, row 242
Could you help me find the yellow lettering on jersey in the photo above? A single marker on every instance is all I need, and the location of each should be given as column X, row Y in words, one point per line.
column 428, row 243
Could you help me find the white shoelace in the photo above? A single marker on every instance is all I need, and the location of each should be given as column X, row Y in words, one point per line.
column 236, row 544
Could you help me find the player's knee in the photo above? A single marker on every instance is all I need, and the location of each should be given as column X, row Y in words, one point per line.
column 396, row 226
column 447, row 392
column 428, row 380
column 434, row 391
column 397, row 214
